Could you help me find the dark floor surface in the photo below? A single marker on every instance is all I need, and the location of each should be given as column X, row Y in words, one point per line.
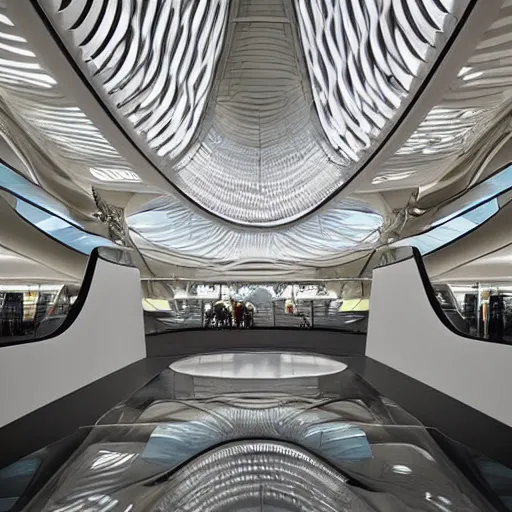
column 85, row 406
column 81, row 408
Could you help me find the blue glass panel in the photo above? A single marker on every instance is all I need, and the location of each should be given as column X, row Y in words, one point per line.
column 451, row 230
column 23, row 188
column 14, row 480
column 484, row 191
column 175, row 443
column 61, row 230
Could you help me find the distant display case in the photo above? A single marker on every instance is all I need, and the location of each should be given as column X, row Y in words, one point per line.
column 341, row 304
column 24, row 307
column 485, row 308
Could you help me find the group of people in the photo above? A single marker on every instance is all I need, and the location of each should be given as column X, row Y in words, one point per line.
column 228, row 314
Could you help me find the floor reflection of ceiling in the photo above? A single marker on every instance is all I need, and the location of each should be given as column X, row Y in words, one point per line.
column 328, row 444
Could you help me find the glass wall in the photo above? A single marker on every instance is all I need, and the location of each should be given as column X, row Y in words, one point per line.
column 482, row 310
column 336, row 304
column 33, row 311
column 465, row 214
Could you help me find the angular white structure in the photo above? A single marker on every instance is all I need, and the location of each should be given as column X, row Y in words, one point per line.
column 103, row 333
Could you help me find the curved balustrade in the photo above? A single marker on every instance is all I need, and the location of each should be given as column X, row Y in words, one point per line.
column 32, row 311
column 331, row 304
column 417, row 328
column 481, row 310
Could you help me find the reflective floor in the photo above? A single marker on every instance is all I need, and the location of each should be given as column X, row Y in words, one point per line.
column 256, row 432
column 266, row 365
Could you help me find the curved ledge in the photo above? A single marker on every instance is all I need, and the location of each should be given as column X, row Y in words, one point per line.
column 409, row 332
column 466, row 233
column 71, row 225
column 106, row 254
column 473, row 204
column 38, row 190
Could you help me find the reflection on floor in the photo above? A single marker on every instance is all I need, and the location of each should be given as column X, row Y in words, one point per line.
column 266, row 365
column 256, row 432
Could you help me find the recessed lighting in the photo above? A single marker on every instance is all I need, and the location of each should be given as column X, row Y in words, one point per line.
column 114, row 175
column 5, row 20
column 472, row 76
column 401, row 469
column 464, row 71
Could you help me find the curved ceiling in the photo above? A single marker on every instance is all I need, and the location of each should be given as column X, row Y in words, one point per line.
column 257, row 110
column 351, row 226
column 471, row 106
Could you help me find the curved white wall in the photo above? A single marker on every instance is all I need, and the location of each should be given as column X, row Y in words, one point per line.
column 107, row 335
column 405, row 333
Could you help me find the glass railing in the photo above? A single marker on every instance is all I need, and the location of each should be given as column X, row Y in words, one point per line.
column 481, row 310
column 333, row 304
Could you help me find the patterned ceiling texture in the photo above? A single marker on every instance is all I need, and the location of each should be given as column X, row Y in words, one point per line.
column 258, row 110
column 233, row 127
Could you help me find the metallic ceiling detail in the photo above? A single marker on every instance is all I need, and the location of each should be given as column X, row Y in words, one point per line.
column 155, row 60
column 471, row 106
column 113, row 217
column 36, row 104
column 363, row 58
column 257, row 152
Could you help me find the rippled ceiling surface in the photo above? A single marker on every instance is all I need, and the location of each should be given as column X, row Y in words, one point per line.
column 469, row 108
column 257, row 110
column 37, row 109
column 353, row 224
column 33, row 107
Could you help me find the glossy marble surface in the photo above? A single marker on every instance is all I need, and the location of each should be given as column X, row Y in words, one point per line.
column 318, row 441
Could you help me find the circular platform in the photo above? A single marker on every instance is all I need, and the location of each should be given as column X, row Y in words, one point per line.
column 257, row 365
